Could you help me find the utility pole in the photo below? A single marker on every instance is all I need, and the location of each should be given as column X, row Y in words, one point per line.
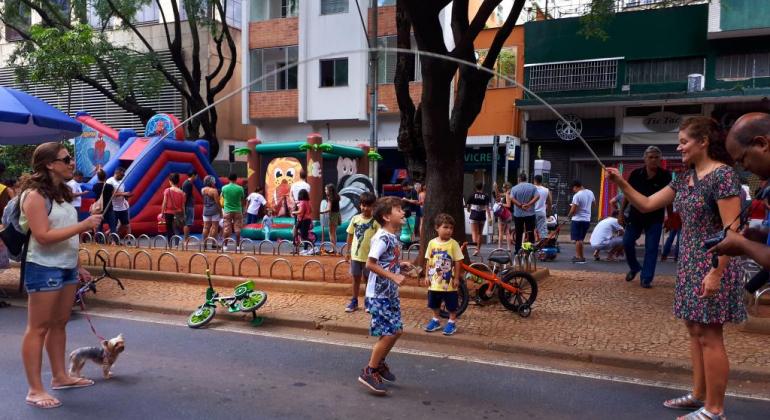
column 373, row 91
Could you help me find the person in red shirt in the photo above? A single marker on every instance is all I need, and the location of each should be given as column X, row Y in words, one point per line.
column 304, row 216
column 673, row 226
column 173, row 207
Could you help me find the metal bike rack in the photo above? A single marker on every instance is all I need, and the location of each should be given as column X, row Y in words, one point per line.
column 86, row 235
column 116, row 236
column 316, row 262
column 344, row 248
column 176, row 261
column 288, row 264
column 123, row 252
column 179, row 241
column 154, row 242
column 531, row 262
column 281, row 242
column 130, row 240
column 205, row 244
column 139, row 241
column 243, row 241
column 500, row 251
column 339, row 263
column 88, row 255
column 272, row 247
column 146, row 254
column 325, row 244
column 227, row 241
column 247, row 258
column 102, row 251
column 219, row 257
column 193, row 257
column 97, row 235
column 186, row 244
column 409, row 250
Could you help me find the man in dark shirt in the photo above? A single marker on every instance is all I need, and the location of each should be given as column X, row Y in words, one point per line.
column 647, row 180
column 189, row 201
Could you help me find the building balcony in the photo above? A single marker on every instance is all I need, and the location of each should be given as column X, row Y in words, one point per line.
column 276, row 104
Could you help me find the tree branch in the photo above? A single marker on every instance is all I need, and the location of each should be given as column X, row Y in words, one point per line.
column 459, row 19
column 465, row 45
column 502, row 34
column 220, row 86
column 192, row 22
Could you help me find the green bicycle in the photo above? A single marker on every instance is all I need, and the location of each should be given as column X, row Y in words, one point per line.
column 244, row 299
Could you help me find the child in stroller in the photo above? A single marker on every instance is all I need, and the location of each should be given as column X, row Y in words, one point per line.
column 547, row 248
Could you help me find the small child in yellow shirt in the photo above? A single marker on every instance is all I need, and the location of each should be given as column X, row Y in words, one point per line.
column 444, row 268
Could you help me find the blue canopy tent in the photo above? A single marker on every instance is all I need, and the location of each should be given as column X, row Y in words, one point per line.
column 25, row 119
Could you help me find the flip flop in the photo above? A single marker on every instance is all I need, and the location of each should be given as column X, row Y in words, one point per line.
column 78, row 384
column 39, row 403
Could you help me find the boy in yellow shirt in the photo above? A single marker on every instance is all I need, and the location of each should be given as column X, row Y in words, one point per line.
column 360, row 231
column 444, row 267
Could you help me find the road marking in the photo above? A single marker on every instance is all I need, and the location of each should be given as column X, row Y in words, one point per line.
column 437, row 355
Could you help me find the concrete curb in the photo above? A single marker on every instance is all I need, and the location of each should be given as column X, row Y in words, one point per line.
column 269, row 285
column 471, row 342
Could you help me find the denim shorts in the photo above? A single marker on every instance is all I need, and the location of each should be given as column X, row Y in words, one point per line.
column 189, row 215
column 39, row 278
column 578, row 230
column 358, row 269
column 386, row 316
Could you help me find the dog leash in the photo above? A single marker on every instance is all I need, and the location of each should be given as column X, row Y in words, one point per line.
column 88, row 318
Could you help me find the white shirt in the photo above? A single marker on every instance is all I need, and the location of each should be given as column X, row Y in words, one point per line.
column 604, row 231
column 62, row 254
column 584, row 199
column 75, row 187
column 256, row 200
column 297, row 187
column 540, row 204
column 118, row 203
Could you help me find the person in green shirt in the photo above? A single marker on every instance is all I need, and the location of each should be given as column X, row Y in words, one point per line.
column 234, row 199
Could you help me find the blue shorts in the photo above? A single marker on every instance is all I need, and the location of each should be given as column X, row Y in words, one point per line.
column 358, row 269
column 386, row 316
column 39, row 278
column 578, row 230
column 189, row 215
column 449, row 298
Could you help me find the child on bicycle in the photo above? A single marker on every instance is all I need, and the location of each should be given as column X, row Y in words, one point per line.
column 382, row 291
column 304, row 218
column 360, row 231
column 444, row 266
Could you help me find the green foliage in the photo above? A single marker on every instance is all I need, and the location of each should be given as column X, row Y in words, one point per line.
column 598, row 16
column 17, row 160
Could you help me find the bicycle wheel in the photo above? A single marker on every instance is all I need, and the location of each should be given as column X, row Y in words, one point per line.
column 201, row 316
column 462, row 301
column 526, row 294
column 253, row 301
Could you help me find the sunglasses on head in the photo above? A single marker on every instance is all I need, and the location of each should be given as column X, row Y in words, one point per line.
column 66, row 160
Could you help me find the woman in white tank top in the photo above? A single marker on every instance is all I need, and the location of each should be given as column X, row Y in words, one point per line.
column 51, row 271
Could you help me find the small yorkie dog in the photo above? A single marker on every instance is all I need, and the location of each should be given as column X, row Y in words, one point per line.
column 105, row 356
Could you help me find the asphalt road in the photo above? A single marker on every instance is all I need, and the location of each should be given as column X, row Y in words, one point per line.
column 172, row 372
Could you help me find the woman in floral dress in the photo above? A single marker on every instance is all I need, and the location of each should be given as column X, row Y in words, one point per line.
column 708, row 196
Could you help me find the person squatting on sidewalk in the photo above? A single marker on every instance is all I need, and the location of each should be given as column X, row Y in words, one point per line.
column 444, row 262
column 605, row 237
column 382, row 292
column 706, row 297
column 648, row 180
column 51, row 271
column 361, row 229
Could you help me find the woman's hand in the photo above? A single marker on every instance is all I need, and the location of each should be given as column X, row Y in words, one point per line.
column 614, row 175
column 710, row 285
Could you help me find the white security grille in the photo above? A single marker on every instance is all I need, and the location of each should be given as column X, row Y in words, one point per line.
column 85, row 98
column 574, row 75
column 743, row 66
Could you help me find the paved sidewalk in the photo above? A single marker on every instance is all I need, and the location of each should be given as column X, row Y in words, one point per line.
column 575, row 312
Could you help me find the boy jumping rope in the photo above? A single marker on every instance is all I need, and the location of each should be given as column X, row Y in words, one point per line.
column 444, row 262
column 382, row 292
column 361, row 229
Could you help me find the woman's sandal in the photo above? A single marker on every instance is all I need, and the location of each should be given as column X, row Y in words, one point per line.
column 43, row 403
column 687, row 402
column 703, row 414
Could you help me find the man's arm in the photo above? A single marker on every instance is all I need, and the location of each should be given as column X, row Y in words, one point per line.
column 736, row 244
column 572, row 210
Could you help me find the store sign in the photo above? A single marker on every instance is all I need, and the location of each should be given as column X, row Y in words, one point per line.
column 479, row 156
column 570, row 129
column 662, row 122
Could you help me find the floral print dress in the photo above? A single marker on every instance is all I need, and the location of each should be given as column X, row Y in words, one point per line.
column 700, row 222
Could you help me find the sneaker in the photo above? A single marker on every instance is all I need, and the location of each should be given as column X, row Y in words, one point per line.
column 385, row 372
column 576, row 260
column 352, row 306
column 433, row 325
column 450, row 328
column 371, row 379
column 630, row 275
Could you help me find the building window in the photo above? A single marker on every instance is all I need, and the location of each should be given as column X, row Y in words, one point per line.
column 743, row 66
column 273, row 9
column 505, row 65
column 148, row 14
column 330, row 7
column 334, row 72
column 386, row 71
column 663, row 71
column 266, row 61
column 384, row 2
column 574, row 75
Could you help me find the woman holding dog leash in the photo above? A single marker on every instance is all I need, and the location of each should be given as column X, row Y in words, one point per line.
column 709, row 291
column 51, row 271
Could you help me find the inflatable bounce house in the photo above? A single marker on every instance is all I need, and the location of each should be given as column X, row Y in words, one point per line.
column 148, row 161
column 277, row 167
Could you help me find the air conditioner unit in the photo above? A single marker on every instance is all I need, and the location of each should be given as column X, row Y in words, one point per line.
column 695, row 83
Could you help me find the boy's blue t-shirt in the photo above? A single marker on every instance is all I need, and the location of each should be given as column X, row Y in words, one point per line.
column 386, row 249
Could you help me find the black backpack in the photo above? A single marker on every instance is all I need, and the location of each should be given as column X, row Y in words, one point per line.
column 12, row 234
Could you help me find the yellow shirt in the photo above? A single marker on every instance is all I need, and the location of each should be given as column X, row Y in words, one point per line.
column 363, row 230
column 441, row 258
